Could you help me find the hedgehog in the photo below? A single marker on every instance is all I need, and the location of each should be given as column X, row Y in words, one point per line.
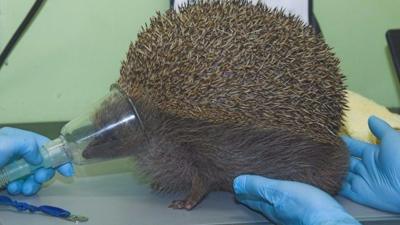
column 225, row 88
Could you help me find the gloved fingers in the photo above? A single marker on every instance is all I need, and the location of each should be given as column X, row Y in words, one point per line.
column 356, row 182
column 252, row 203
column 246, row 184
column 256, row 186
column 15, row 188
column 16, row 148
column 32, row 154
column 370, row 158
column 43, row 175
column 20, row 143
column 19, row 147
column 378, row 126
column 18, row 132
column 5, row 155
column 27, row 187
column 10, row 131
column 357, row 167
column 356, row 147
column 259, row 206
column 66, row 170
column 30, row 186
column 347, row 191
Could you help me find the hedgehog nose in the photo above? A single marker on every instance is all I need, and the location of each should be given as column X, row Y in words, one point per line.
column 106, row 132
column 87, row 154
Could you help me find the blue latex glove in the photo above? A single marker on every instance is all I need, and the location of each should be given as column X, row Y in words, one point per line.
column 288, row 202
column 374, row 174
column 15, row 144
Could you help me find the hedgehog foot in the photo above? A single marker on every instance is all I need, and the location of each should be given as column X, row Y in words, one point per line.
column 197, row 193
column 156, row 187
column 183, row 204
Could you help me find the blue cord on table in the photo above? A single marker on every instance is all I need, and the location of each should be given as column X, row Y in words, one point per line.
column 23, row 206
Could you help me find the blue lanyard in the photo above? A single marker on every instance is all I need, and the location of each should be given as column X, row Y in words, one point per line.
column 48, row 210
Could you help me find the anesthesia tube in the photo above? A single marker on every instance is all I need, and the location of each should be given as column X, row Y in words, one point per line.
column 98, row 130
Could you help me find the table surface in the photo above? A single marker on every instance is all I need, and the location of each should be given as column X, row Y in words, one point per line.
column 109, row 193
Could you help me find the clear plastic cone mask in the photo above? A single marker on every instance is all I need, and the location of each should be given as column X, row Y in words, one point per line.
column 102, row 134
column 112, row 129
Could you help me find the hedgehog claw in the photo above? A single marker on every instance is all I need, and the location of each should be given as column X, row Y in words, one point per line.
column 182, row 204
column 197, row 193
column 156, row 186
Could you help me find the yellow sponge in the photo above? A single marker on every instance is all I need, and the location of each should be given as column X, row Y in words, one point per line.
column 356, row 117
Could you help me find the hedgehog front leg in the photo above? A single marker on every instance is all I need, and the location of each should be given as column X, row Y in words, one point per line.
column 198, row 191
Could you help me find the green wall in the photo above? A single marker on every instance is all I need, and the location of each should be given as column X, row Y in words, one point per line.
column 72, row 52
column 356, row 30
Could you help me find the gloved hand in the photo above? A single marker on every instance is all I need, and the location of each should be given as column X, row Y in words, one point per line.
column 15, row 144
column 374, row 173
column 288, row 202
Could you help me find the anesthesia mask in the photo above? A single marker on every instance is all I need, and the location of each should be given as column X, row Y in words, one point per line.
column 106, row 129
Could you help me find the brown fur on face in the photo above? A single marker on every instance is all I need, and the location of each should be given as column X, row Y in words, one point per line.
column 228, row 88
